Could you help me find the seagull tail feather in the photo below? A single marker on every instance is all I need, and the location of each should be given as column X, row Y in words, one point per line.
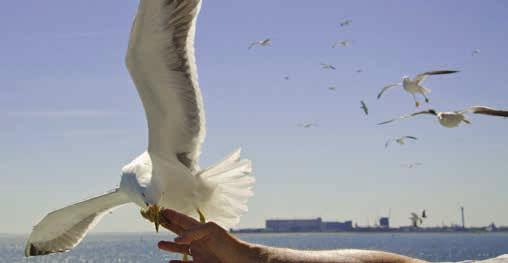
column 234, row 182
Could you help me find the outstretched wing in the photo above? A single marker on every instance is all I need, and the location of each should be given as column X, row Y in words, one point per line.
column 161, row 61
column 63, row 229
column 407, row 116
column 488, row 111
column 385, row 88
column 421, row 77
column 410, row 137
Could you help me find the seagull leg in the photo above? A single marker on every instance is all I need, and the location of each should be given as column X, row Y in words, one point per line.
column 202, row 220
column 417, row 103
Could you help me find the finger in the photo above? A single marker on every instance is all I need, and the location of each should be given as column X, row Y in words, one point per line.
column 179, row 219
column 172, row 227
column 197, row 233
column 173, row 247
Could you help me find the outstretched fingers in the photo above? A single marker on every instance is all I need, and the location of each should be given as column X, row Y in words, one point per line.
column 199, row 232
column 177, row 222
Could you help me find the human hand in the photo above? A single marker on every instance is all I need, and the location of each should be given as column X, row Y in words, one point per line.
column 207, row 242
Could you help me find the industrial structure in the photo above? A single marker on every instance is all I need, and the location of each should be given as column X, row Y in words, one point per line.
column 307, row 225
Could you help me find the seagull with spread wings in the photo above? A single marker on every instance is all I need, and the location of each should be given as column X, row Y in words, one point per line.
column 342, row 43
column 414, row 86
column 263, row 43
column 345, row 22
column 161, row 61
column 453, row 119
column 400, row 140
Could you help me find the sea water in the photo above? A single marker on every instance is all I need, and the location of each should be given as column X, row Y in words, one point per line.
column 142, row 247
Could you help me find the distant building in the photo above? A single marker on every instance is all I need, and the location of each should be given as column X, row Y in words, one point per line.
column 384, row 222
column 294, row 225
column 307, row 225
column 337, row 226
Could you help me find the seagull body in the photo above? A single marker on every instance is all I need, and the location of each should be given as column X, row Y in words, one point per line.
column 412, row 165
column 364, row 107
column 346, row 22
column 263, row 43
column 400, row 140
column 327, row 66
column 307, row 125
column 414, row 86
column 453, row 119
column 343, row 43
column 161, row 61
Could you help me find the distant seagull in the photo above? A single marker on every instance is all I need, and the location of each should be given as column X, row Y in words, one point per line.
column 286, row 77
column 453, row 119
column 327, row 66
column 416, row 220
column 265, row 42
column 359, row 70
column 342, row 43
column 364, row 107
column 475, row 52
column 332, row 88
column 307, row 125
column 400, row 140
column 345, row 22
column 413, row 86
column 424, row 214
column 411, row 165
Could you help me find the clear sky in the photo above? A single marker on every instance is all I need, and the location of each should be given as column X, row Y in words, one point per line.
column 70, row 117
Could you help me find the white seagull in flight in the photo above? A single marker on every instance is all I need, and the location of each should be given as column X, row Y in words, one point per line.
column 346, row 22
column 413, row 86
column 327, row 66
column 453, row 119
column 400, row 140
column 161, row 61
column 342, row 43
column 265, row 42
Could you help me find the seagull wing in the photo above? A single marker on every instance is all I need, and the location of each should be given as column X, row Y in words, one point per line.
column 421, row 77
column 385, row 88
column 63, row 229
column 407, row 116
column 387, row 143
column 364, row 107
column 487, row 111
column 253, row 44
column 410, row 137
column 161, row 61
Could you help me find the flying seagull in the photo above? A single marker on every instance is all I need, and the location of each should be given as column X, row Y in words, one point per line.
column 307, row 125
column 416, row 220
column 453, row 119
column 161, row 61
column 364, row 107
column 424, row 214
column 345, row 22
column 411, row 165
column 327, row 66
column 263, row 43
column 332, row 88
column 286, row 77
column 475, row 52
column 400, row 140
column 342, row 43
column 413, row 86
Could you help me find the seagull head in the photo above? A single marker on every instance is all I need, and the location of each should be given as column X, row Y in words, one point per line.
column 432, row 111
column 405, row 78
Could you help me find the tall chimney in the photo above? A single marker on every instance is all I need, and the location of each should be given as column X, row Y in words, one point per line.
column 462, row 214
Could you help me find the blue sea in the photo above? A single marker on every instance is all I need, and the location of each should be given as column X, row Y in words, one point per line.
column 142, row 247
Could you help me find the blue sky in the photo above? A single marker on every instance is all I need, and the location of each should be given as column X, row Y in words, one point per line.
column 70, row 117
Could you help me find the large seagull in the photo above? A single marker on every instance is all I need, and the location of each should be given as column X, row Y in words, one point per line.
column 162, row 64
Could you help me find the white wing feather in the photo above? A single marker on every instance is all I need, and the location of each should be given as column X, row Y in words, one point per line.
column 161, row 61
column 63, row 229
